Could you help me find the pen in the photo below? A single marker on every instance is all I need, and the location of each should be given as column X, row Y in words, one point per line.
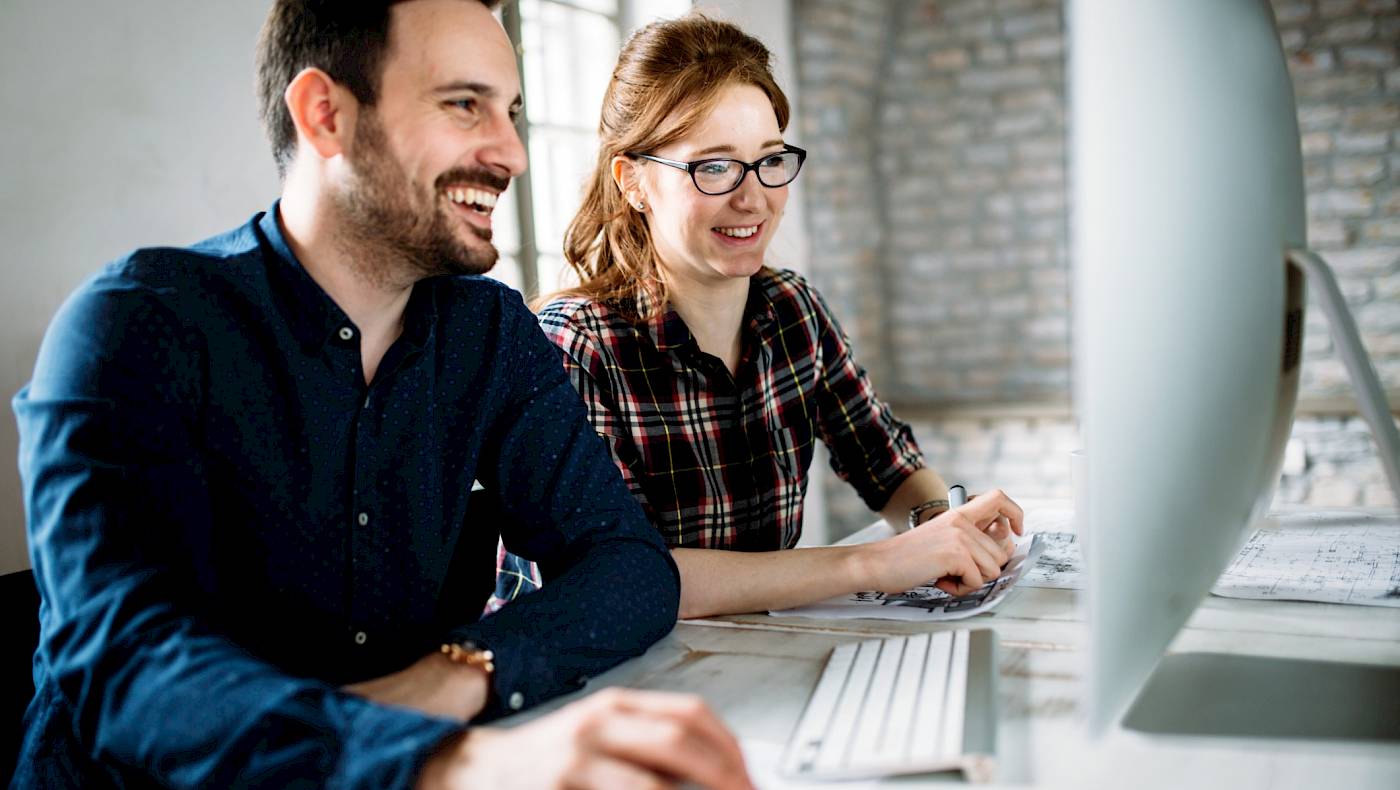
column 957, row 497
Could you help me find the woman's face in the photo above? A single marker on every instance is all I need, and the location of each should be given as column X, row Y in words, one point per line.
column 707, row 239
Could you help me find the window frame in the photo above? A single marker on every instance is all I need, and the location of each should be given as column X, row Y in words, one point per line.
column 527, row 256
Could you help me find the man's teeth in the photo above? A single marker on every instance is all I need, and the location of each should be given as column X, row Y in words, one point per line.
column 479, row 199
column 739, row 233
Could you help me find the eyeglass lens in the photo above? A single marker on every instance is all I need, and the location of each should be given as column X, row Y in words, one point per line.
column 722, row 175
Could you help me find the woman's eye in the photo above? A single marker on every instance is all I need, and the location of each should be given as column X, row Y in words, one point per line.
column 714, row 168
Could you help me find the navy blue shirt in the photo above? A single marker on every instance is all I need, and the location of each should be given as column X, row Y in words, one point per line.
column 226, row 523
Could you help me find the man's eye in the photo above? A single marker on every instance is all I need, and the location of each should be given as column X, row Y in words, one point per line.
column 464, row 104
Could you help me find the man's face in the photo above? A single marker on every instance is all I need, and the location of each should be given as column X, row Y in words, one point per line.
column 431, row 158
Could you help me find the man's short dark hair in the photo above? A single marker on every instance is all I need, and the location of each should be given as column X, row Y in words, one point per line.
column 346, row 40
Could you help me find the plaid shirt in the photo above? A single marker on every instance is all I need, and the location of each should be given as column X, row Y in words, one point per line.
column 720, row 461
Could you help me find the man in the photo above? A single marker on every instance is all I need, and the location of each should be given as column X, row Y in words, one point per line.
column 247, row 466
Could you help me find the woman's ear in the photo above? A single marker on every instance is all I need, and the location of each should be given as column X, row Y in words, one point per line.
column 626, row 174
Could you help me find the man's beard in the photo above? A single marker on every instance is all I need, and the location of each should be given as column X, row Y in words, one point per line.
column 391, row 237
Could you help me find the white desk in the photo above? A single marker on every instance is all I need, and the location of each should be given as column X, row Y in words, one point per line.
column 757, row 671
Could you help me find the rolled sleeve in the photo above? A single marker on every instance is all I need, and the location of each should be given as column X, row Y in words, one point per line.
column 870, row 448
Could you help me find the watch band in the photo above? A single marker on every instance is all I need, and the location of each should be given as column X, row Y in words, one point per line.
column 924, row 511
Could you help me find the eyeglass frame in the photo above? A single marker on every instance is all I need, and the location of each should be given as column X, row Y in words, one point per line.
column 689, row 167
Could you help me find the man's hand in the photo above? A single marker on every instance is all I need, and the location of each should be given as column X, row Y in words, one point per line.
column 962, row 548
column 433, row 684
column 615, row 739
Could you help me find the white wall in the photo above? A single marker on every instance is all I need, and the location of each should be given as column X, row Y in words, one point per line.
column 125, row 124
column 133, row 124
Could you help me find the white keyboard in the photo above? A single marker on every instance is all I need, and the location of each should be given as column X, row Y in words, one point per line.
column 911, row 704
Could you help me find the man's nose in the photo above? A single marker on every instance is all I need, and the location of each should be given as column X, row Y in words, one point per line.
column 504, row 151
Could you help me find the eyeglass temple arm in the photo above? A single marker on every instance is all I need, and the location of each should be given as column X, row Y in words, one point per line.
column 672, row 162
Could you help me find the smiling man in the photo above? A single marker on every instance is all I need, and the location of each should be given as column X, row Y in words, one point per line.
column 248, row 466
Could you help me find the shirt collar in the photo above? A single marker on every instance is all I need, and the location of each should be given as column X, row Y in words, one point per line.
column 668, row 330
column 315, row 319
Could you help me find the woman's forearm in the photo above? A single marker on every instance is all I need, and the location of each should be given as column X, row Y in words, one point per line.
column 715, row 582
column 916, row 489
column 954, row 549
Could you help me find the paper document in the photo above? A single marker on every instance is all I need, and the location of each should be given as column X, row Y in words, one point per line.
column 1331, row 557
column 1060, row 566
column 925, row 603
column 1351, row 558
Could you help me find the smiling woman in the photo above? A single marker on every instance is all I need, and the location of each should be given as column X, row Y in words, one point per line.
column 710, row 375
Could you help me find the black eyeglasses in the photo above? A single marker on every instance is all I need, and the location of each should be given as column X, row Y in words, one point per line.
column 721, row 176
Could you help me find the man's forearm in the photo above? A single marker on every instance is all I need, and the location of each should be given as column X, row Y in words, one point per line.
column 607, row 607
column 434, row 685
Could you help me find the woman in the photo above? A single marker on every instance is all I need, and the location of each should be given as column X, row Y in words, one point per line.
column 711, row 375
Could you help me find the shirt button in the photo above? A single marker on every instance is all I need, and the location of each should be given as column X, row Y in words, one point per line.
column 360, row 637
column 363, row 518
column 517, row 701
column 346, row 333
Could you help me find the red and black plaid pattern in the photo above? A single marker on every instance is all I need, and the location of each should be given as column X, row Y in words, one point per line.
column 721, row 461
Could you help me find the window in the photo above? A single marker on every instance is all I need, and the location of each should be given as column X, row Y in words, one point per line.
column 567, row 52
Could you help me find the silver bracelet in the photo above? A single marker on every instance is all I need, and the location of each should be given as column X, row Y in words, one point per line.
column 918, row 512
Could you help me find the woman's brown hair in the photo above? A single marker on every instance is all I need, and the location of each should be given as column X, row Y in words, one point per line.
column 668, row 77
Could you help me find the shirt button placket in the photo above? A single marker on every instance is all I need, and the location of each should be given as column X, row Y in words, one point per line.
column 360, row 636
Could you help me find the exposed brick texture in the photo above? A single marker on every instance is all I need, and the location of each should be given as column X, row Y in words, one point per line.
column 938, row 209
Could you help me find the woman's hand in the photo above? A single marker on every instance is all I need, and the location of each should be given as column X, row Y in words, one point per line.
column 962, row 548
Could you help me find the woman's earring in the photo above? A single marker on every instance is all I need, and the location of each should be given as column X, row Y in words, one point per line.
column 640, row 206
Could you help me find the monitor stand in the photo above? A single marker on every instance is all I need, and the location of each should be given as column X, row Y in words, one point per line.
column 1370, row 396
column 1216, row 694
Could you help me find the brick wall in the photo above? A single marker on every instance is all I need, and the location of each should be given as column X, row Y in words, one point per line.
column 941, row 150
column 937, row 205
column 1343, row 58
column 845, row 215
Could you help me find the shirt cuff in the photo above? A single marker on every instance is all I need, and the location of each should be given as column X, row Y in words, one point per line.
column 388, row 746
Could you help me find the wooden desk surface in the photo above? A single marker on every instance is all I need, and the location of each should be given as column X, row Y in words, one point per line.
column 757, row 671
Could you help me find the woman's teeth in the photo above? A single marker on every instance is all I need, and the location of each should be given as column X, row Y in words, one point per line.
column 478, row 199
column 738, row 233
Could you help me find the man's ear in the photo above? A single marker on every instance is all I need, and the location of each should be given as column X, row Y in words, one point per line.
column 628, row 177
column 322, row 111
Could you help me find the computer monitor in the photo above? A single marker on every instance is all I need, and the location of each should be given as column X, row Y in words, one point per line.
column 1188, row 202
